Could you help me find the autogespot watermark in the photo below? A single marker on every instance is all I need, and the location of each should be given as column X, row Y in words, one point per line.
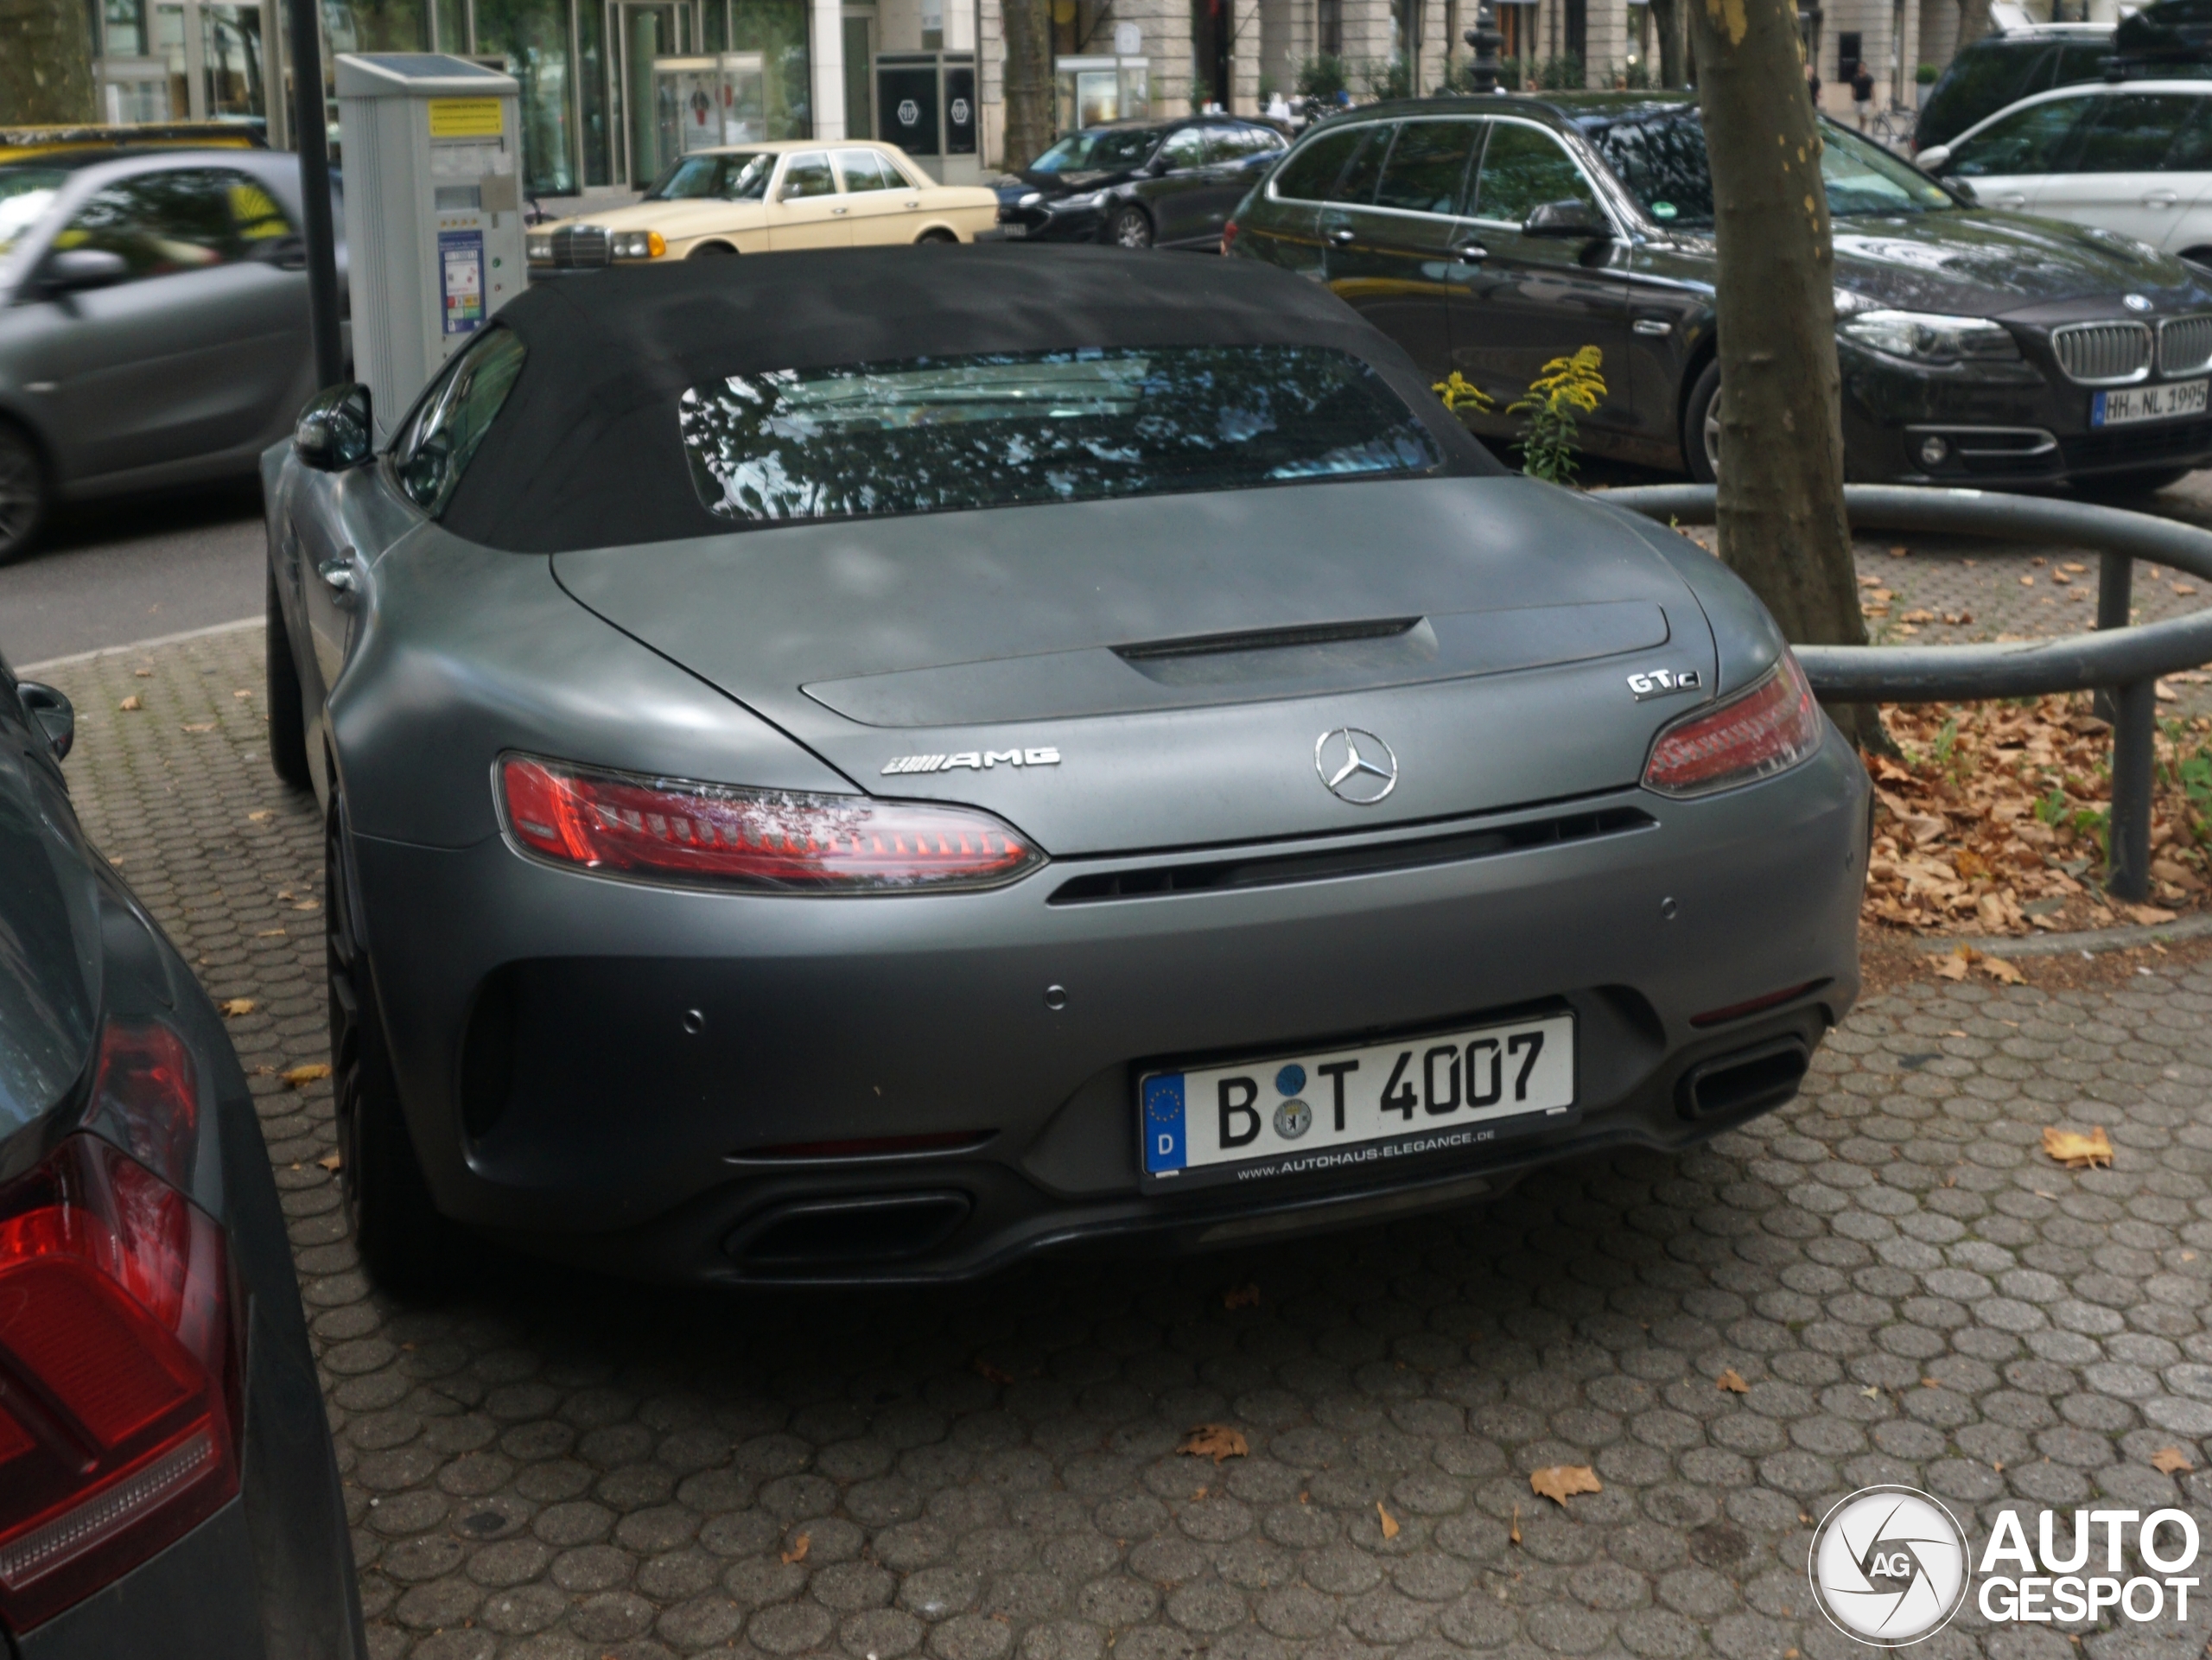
column 1891, row 1566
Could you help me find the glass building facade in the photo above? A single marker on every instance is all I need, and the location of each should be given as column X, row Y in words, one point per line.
column 585, row 67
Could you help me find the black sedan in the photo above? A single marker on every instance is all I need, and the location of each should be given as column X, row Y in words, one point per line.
column 1167, row 185
column 166, row 1480
column 1490, row 236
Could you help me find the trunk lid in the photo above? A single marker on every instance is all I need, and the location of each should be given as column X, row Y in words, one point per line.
column 1183, row 656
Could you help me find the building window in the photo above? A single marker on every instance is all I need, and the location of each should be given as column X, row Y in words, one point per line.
column 1332, row 27
column 1847, row 50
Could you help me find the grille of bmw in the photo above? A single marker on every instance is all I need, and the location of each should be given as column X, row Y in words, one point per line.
column 580, row 244
column 2101, row 354
column 2184, row 345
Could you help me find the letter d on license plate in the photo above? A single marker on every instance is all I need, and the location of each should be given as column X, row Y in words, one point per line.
column 1357, row 1109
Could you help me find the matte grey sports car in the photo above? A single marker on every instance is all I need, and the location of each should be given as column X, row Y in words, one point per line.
column 859, row 768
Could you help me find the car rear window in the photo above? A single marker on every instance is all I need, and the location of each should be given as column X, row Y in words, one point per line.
column 934, row 435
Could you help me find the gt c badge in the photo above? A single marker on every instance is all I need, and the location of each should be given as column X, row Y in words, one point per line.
column 977, row 759
column 1663, row 682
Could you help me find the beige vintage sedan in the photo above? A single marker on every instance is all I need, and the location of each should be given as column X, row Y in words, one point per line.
column 766, row 197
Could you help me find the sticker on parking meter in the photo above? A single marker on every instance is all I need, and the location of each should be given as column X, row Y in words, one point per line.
column 461, row 267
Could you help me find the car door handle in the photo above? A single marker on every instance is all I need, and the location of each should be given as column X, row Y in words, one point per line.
column 340, row 574
column 1470, row 253
column 1343, row 235
column 1655, row 326
column 917, row 202
column 2011, row 201
column 2160, row 199
column 835, row 211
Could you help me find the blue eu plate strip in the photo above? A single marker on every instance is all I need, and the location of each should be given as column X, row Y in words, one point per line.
column 1164, row 1144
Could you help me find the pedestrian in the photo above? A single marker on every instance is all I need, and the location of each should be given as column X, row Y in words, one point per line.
column 1812, row 84
column 1862, row 91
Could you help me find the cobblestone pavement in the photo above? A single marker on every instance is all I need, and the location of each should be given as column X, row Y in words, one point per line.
column 548, row 1467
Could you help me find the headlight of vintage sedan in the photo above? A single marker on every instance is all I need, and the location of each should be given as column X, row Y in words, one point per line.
column 637, row 245
column 1927, row 337
column 538, row 248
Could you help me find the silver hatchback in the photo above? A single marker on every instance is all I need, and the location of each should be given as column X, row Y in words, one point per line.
column 153, row 323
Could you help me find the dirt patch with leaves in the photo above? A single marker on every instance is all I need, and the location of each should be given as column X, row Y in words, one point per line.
column 1992, row 820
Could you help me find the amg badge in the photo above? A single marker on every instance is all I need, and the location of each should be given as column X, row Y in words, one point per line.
column 979, row 760
column 1663, row 682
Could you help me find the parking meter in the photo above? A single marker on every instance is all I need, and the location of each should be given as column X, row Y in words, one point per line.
column 432, row 166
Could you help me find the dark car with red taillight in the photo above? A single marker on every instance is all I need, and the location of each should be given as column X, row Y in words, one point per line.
column 167, row 1485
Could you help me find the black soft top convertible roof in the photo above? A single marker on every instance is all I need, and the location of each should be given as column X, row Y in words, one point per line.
column 585, row 454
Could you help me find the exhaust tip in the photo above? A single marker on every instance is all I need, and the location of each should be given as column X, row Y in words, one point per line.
column 1748, row 1081
column 864, row 1228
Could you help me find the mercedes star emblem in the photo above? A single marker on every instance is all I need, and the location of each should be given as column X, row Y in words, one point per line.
column 1357, row 766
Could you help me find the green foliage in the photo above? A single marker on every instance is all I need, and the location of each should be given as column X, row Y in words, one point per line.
column 2052, row 807
column 1564, row 73
column 1547, row 437
column 1925, row 75
column 1386, row 78
column 1322, row 76
column 1636, row 76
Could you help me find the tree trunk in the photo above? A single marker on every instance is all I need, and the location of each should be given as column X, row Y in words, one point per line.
column 1667, row 30
column 1028, row 25
column 46, row 63
column 1781, row 522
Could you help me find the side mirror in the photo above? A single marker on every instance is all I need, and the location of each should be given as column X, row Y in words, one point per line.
column 1932, row 159
column 1571, row 220
column 70, row 269
column 1966, row 194
column 52, row 714
column 335, row 431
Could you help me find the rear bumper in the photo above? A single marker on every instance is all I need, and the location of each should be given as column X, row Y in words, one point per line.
column 595, row 1068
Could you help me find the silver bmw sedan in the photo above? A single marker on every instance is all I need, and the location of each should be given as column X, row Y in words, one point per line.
column 850, row 768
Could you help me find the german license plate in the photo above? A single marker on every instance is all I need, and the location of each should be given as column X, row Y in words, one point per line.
column 1356, row 1109
column 1013, row 227
column 2125, row 405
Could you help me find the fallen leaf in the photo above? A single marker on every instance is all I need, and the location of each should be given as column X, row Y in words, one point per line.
column 1899, row 552
column 270, row 933
column 132, row 704
column 329, row 1162
column 2172, row 1461
column 2076, row 1151
column 1514, row 1535
column 799, row 1548
column 1557, row 1482
column 2184, row 587
column 1929, row 1383
column 143, row 674
column 1215, row 1441
column 1951, row 965
column 1735, row 1385
column 236, row 1006
column 2002, row 972
column 2148, row 914
column 261, row 815
column 203, row 726
column 1241, row 1296
column 300, row 1076
column 241, row 693
column 2027, row 581
column 1998, row 1465
column 1872, row 1392
column 1389, row 1522
column 991, row 1374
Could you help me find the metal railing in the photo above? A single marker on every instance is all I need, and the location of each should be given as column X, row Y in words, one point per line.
column 2121, row 662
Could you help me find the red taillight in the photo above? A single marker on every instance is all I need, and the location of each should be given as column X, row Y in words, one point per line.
column 1228, row 236
column 118, row 1389
column 776, row 839
column 1752, row 1006
column 1767, row 729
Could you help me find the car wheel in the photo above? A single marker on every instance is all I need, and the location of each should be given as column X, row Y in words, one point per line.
column 24, row 495
column 288, row 738
column 711, row 251
column 936, row 238
column 1702, row 426
column 1131, row 228
column 396, row 1227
